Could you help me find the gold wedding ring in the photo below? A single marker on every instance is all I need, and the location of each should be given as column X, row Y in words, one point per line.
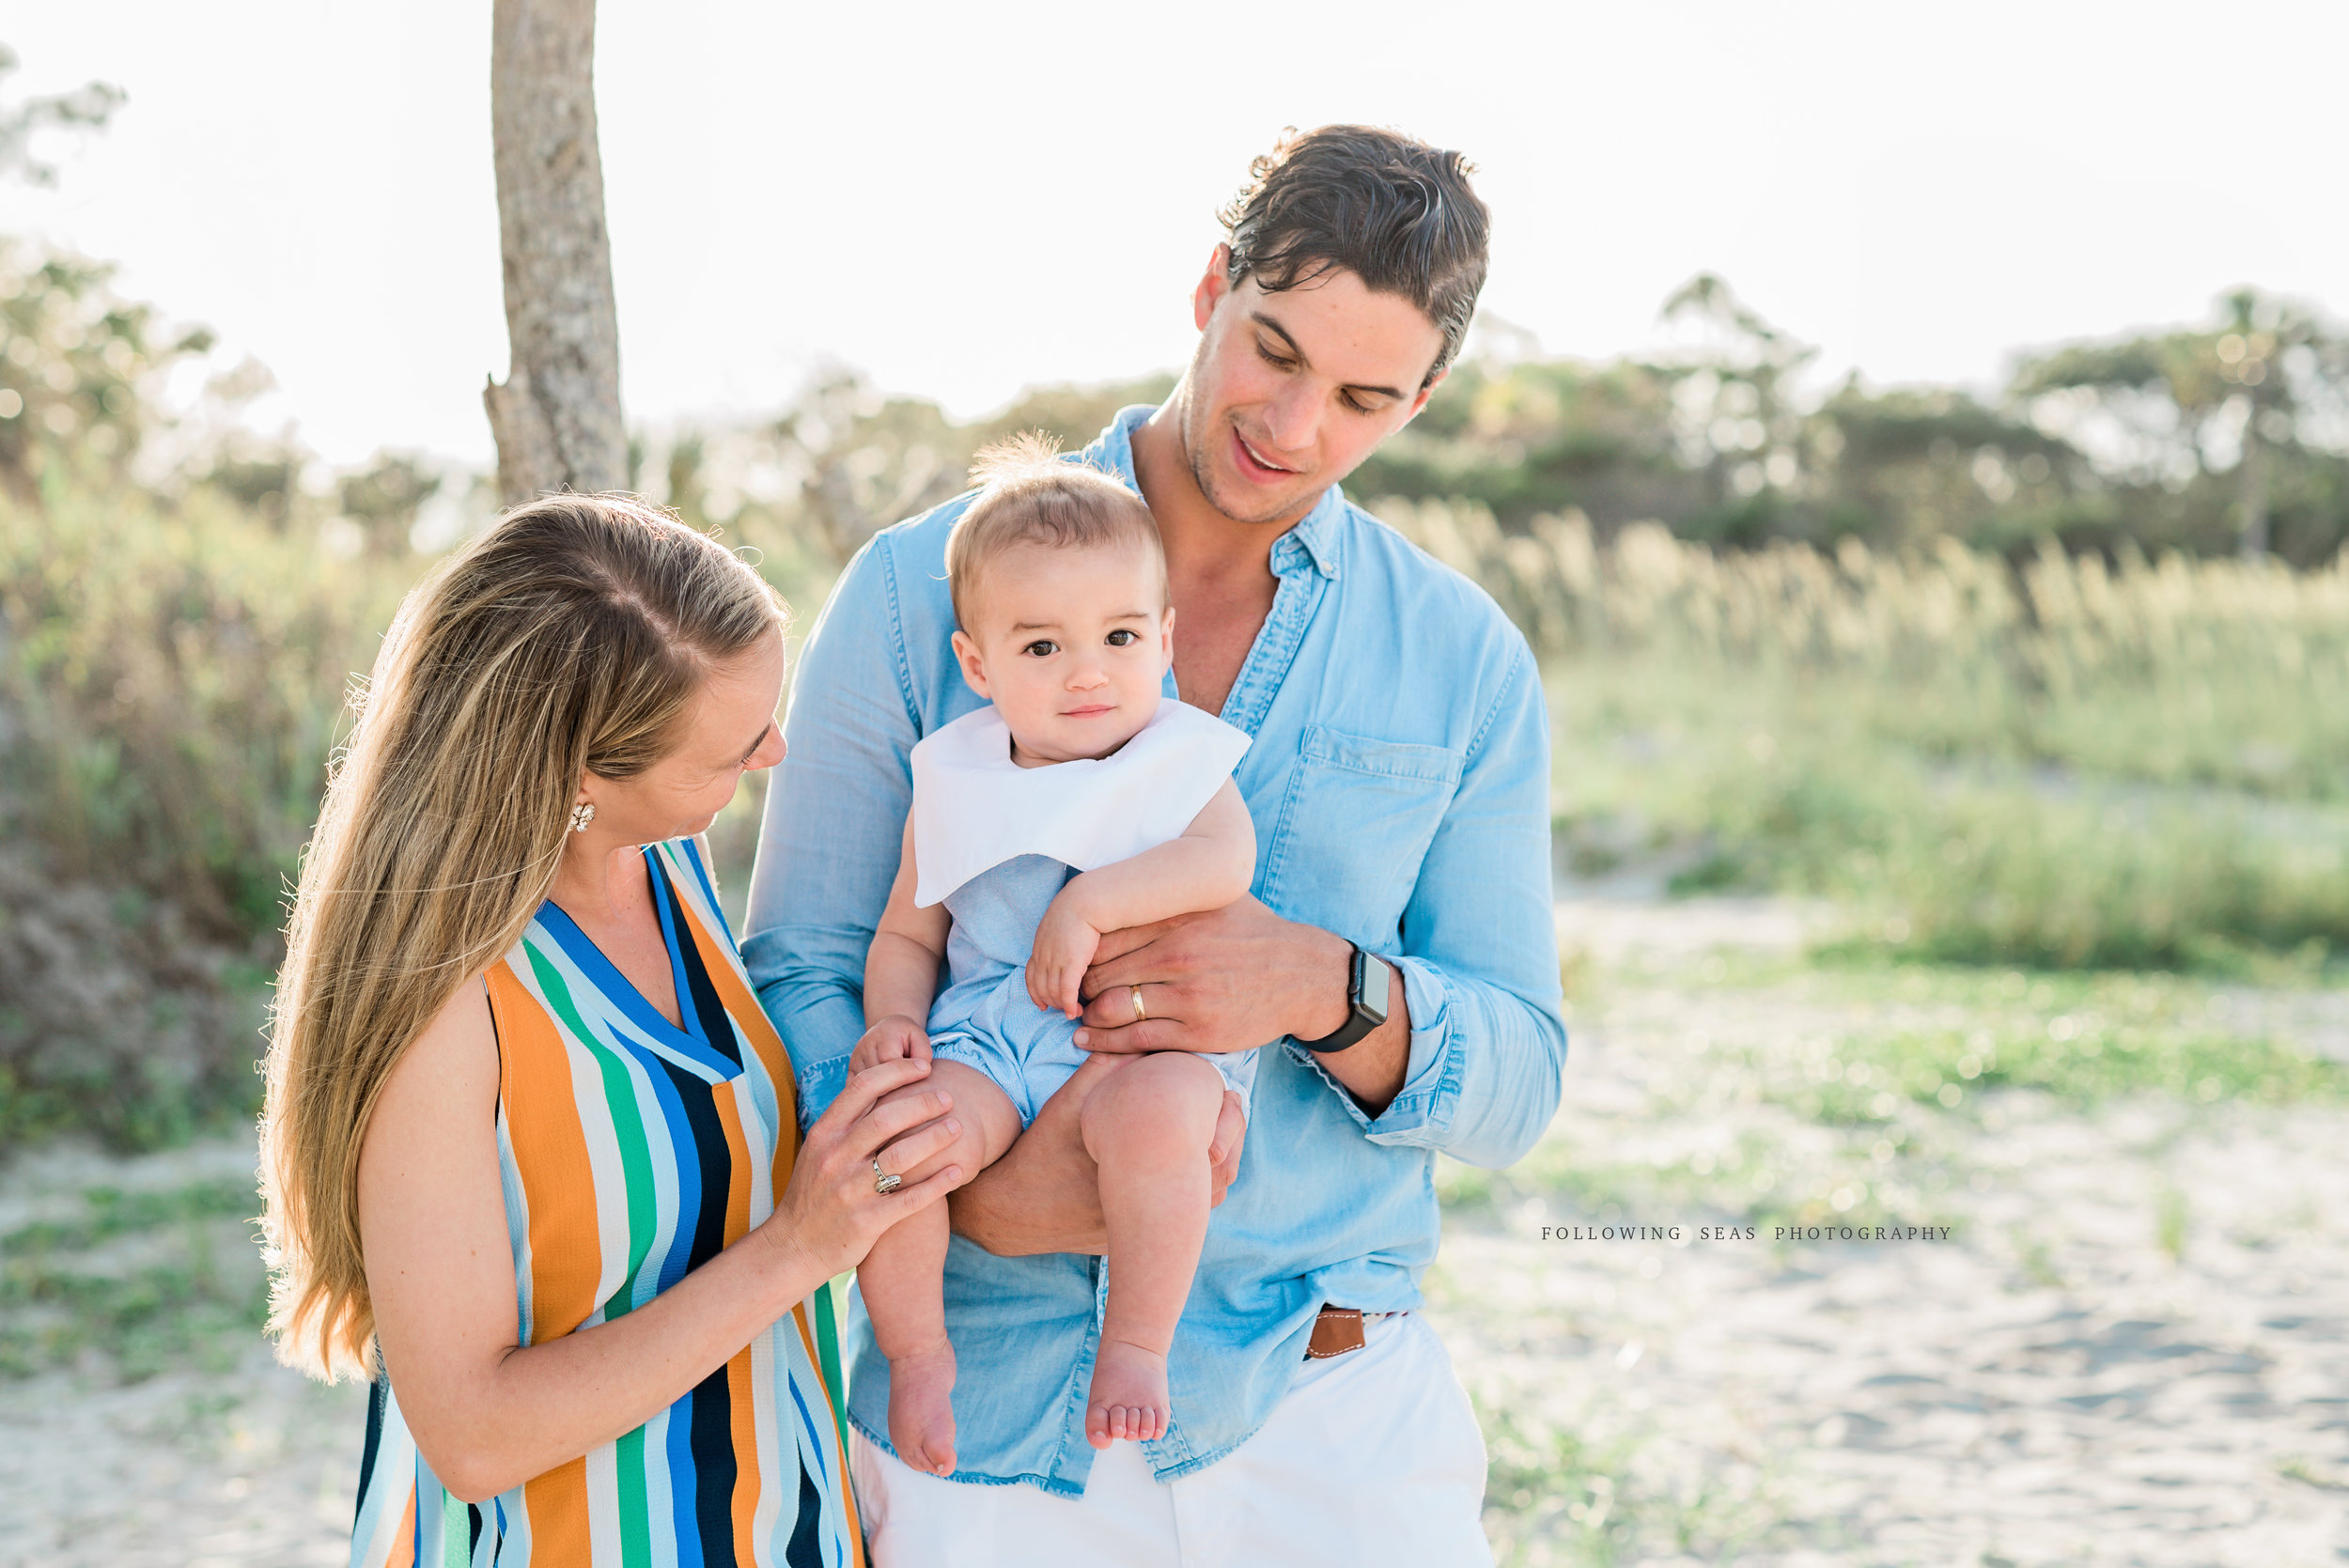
column 1140, row 1012
column 885, row 1182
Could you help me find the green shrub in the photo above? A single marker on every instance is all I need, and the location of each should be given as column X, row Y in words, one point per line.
column 172, row 675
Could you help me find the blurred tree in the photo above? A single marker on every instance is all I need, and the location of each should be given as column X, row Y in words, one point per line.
column 73, row 359
column 689, row 490
column 1908, row 464
column 1734, row 411
column 865, row 460
column 848, row 460
column 2239, row 428
column 557, row 415
column 1070, row 413
column 2200, row 440
column 71, row 354
column 88, row 106
column 1548, row 436
column 383, row 499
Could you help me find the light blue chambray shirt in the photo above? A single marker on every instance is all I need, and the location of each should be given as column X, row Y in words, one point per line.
column 1399, row 781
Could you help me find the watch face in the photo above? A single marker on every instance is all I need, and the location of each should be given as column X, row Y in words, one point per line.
column 1377, row 987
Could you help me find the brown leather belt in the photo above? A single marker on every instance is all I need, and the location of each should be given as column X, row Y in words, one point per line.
column 1339, row 1329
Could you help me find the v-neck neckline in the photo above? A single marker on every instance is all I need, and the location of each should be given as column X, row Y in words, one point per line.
column 613, row 982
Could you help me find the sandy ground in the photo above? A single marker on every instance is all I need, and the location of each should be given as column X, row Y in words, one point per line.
column 2050, row 1386
column 2133, row 1349
column 236, row 1461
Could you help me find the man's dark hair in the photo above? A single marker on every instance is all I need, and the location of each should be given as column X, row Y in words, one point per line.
column 1397, row 214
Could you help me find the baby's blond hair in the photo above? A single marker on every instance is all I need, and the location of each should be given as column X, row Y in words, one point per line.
column 1030, row 494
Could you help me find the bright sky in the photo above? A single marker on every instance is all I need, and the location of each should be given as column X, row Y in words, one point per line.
column 962, row 200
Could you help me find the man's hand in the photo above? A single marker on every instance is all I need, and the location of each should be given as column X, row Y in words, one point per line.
column 1045, row 1194
column 1226, row 980
column 1064, row 949
column 1233, row 979
column 888, row 1040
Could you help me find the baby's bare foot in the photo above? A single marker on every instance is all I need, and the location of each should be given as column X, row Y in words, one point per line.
column 1129, row 1398
column 922, row 1409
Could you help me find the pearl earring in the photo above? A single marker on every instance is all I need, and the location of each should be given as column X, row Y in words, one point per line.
column 582, row 814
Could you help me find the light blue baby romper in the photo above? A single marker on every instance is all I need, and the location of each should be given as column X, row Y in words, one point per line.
column 1071, row 817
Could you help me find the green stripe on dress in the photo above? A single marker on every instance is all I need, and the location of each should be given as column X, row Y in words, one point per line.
column 628, row 1456
column 628, row 1127
column 456, row 1532
column 827, row 1355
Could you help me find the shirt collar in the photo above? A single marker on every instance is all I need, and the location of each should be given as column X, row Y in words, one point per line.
column 1315, row 534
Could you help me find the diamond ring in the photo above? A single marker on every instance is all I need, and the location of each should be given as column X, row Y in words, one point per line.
column 885, row 1182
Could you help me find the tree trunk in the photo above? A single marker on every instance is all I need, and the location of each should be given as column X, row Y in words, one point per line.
column 557, row 416
column 2254, row 491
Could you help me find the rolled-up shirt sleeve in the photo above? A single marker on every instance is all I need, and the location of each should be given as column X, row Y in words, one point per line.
column 835, row 810
column 1479, row 952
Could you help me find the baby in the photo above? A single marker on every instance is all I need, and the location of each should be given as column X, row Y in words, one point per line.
column 1082, row 801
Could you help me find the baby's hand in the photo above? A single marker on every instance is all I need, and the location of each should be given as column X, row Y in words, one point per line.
column 1065, row 944
column 892, row 1037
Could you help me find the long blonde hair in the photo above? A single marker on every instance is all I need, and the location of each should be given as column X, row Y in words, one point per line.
column 567, row 639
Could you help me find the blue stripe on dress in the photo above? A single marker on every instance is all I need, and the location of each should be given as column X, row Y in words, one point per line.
column 692, row 854
column 673, row 940
column 622, row 994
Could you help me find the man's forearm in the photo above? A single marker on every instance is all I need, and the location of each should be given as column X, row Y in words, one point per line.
column 1022, row 1205
column 1373, row 1068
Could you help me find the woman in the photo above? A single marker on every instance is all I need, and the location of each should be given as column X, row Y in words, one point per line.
column 529, row 1148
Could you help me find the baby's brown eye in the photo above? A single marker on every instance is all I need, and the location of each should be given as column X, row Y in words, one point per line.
column 1120, row 638
column 1042, row 648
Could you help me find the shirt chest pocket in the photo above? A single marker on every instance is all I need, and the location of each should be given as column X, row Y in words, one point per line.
column 1353, row 827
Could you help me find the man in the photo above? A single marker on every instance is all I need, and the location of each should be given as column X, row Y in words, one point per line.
column 1397, row 953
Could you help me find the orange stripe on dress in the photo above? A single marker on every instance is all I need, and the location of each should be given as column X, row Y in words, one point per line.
column 557, row 1504
column 742, row 1405
column 404, row 1544
column 536, row 1091
column 726, row 1097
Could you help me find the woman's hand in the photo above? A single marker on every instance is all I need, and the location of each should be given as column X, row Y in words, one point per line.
column 830, row 1214
column 894, row 1038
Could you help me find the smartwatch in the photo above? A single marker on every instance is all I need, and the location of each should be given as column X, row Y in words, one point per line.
column 1367, row 988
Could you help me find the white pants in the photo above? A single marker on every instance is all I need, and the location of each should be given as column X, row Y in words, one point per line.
column 1372, row 1458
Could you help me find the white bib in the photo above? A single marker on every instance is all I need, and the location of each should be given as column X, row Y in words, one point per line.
column 975, row 807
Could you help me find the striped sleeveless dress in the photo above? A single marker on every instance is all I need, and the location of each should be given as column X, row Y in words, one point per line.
column 632, row 1152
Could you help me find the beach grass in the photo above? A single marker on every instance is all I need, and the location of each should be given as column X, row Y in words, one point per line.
column 126, row 1286
column 2072, row 763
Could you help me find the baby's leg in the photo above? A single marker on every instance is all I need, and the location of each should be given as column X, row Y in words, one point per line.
column 899, row 1276
column 1148, row 1127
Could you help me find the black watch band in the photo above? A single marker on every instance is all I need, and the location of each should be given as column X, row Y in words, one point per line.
column 1366, row 991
